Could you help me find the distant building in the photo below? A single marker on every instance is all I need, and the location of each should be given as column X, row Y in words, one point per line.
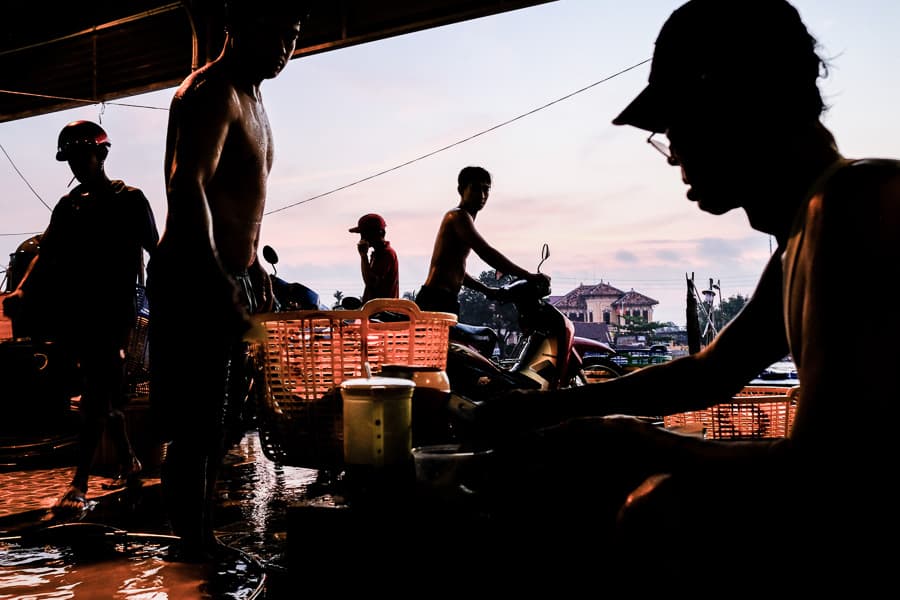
column 603, row 303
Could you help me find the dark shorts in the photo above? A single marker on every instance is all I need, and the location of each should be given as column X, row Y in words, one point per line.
column 437, row 300
column 195, row 349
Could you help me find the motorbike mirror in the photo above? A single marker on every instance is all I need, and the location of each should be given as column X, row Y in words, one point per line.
column 270, row 255
column 545, row 254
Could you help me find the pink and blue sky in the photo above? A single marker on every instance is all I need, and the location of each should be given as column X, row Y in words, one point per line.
column 605, row 201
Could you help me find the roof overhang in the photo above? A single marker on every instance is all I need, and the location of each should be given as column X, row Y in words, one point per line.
column 79, row 53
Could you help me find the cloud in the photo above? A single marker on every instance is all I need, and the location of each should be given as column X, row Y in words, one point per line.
column 625, row 256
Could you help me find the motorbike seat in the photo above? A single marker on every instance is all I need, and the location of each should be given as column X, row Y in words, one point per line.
column 482, row 338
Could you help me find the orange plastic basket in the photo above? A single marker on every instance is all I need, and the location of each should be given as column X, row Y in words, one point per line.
column 306, row 356
column 755, row 412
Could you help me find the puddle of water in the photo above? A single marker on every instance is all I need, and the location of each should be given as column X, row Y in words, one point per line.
column 254, row 502
column 97, row 564
column 254, row 497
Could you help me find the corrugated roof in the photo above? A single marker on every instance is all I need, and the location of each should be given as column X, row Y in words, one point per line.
column 633, row 298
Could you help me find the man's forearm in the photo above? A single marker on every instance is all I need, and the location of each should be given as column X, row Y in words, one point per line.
column 365, row 269
column 472, row 283
column 651, row 391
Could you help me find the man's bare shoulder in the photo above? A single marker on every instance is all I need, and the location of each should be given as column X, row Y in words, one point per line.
column 208, row 85
column 456, row 216
column 863, row 188
column 859, row 176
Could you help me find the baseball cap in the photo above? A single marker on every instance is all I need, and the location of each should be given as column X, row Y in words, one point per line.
column 369, row 222
column 757, row 45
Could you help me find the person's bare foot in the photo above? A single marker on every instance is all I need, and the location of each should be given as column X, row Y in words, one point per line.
column 73, row 501
column 127, row 476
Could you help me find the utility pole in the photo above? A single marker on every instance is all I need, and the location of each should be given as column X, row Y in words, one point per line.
column 709, row 299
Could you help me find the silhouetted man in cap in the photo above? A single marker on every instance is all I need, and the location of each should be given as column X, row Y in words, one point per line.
column 733, row 102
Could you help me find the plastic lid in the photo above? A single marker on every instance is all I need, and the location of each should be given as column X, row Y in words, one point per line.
column 411, row 368
column 379, row 382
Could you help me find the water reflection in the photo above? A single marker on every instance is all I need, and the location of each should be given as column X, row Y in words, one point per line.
column 81, row 560
column 132, row 567
column 254, row 497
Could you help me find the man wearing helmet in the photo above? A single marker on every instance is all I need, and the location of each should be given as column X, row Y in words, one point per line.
column 91, row 255
column 219, row 152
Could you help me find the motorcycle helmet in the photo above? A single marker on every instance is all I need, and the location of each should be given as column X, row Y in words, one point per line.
column 21, row 259
column 80, row 133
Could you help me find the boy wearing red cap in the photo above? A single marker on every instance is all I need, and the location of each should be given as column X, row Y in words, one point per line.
column 377, row 259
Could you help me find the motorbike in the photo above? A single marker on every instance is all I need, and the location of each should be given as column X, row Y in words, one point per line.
column 289, row 295
column 548, row 356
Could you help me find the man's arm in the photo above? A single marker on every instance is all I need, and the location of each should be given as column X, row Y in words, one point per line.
column 472, row 283
column 464, row 227
column 12, row 303
column 753, row 340
column 149, row 232
column 198, row 128
column 48, row 247
column 365, row 267
column 262, row 287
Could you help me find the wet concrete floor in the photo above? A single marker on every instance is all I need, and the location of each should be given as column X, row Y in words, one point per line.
column 253, row 494
column 393, row 531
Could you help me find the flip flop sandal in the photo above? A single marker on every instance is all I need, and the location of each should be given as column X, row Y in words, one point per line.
column 126, row 478
column 117, row 483
column 73, row 502
column 122, row 481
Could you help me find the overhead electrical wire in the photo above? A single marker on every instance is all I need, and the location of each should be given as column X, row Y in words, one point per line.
column 82, row 100
column 9, row 158
column 364, row 179
column 462, row 141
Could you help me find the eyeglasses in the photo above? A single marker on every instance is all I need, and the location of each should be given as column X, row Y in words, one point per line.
column 661, row 147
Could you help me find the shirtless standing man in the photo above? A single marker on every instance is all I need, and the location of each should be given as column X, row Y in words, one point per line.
column 456, row 237
column 205, row 279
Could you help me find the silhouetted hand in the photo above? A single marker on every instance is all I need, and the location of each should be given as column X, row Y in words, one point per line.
column 12, row 304
column 262, row 288
column 540, row 279
column 256, row 333
column 496, row 294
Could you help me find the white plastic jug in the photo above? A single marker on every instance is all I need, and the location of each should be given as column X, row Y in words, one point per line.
column 377, row 414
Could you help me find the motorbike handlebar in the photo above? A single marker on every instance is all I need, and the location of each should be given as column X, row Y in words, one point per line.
column 523, row 290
